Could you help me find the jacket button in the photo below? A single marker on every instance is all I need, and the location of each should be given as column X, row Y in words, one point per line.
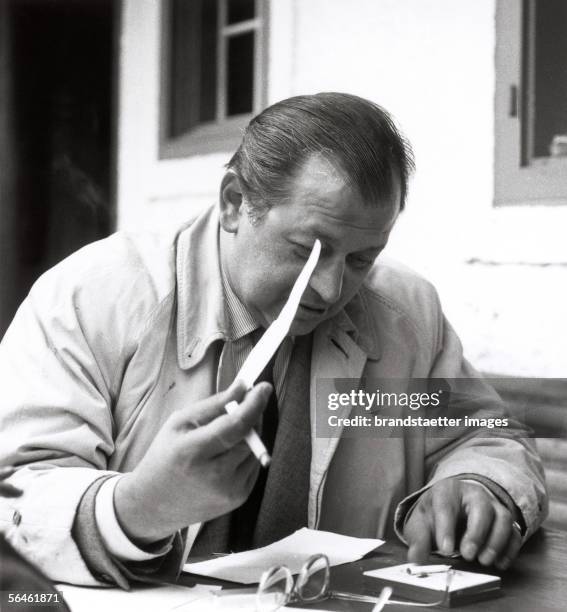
column 16, row 518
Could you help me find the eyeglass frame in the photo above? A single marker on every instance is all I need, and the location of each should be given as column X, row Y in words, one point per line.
column 326, row 593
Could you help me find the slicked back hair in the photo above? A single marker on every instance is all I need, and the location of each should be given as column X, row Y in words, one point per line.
column 355, row 135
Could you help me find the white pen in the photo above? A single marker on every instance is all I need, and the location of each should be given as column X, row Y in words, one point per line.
column 268, row 344
column 426, row 570
column 253, row 440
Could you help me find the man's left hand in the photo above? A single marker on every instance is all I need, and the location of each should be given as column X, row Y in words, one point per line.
column 453, row 506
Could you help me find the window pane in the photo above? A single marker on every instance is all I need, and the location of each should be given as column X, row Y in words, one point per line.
column 550, row 79
column 240, row 10
column 240, row 76
column 208, row 53
column 184, row 75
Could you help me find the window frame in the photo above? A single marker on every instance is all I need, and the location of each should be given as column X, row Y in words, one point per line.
column 519, row 180
column 224, row 133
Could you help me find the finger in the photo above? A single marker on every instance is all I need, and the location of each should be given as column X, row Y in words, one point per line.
column 250, row 467
column 512, row 550
column 7, row 471
column 247, row 479
column 8, row 490
column 236, row 463
column 227, row 430
column 237, row 457
column 230, row 459
column 498, row 538
column 206, row 410
column 480, row 515
column 418, row 535
column 240, row 477
column 445, row 521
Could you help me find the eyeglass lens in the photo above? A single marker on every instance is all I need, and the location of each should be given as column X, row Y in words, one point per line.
column 274, row 589
column 313, row 581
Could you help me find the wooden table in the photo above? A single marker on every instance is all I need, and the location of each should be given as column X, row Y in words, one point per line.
column 536, row 582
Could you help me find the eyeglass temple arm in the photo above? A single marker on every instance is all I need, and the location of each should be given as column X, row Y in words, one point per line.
column 383, row 599
column 346, row 596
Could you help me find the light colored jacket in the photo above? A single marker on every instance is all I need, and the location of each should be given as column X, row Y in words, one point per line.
column 126, row 331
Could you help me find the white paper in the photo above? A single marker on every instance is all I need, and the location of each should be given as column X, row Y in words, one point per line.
column 237, row 603
column 292, row 551
column 437, row 582
column 139, row 599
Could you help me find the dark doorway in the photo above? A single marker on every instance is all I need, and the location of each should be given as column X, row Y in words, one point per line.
column 57, row 72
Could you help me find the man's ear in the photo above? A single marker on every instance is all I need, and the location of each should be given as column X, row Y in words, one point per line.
column 230, row 202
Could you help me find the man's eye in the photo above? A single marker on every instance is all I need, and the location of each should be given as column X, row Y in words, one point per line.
column 301, row 252
column 360, row 262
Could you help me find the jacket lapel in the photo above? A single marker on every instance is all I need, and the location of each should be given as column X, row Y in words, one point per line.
column 335, row 355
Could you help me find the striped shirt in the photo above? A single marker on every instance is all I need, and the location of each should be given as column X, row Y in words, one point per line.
column 241, row 326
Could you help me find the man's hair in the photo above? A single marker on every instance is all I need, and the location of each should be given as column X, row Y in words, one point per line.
column 358, row 137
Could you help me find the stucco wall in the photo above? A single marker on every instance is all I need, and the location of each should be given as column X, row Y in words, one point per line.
column 431, row 63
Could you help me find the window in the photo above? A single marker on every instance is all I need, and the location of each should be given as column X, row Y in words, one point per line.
column 531, row 102
column 213, row 73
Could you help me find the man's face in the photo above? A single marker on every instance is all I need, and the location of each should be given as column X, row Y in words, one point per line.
column 263, row 260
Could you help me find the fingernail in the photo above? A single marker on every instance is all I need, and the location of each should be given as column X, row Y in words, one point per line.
column 469, row 550
column 267, row 390
column 487, row 556
column 235, row 409
column 503, row 563
column 447, row 545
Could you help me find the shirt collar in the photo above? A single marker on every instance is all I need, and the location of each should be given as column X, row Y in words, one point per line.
column 240, row 321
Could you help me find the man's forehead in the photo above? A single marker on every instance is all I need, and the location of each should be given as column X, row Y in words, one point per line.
column 317, row 173
column 320, row 181
column 356, row 217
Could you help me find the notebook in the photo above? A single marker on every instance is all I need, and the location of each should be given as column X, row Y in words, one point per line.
column 427, row 587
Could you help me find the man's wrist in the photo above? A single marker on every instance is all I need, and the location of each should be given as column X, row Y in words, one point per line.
column 116, row 540
column 134, row 520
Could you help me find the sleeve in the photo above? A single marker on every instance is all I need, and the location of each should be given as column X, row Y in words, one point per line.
column 113, row 537
column 61, row 364
column 503, row 458
column 110, row 568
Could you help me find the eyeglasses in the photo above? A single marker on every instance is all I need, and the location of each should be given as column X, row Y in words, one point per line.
column 277, row 588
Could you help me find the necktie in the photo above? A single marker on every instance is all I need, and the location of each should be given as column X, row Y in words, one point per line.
column 284, row 506
column 284, row 498
column 244, row 518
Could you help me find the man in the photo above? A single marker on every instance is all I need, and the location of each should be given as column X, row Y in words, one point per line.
column 117, row 368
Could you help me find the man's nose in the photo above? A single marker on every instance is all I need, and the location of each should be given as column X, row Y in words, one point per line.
column 327, row 280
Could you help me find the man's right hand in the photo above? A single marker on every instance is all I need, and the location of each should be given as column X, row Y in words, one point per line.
column 197, row 468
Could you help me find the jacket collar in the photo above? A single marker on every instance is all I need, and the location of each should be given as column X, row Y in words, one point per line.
column 201, row 314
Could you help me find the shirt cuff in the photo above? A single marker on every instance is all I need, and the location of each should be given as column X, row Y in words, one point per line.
column 480, row 484
column 115, row 540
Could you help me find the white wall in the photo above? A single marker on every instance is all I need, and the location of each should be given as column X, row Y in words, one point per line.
column 431, row 63
column 150, row 191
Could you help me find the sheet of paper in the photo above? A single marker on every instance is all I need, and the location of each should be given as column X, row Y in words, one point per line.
column 293, row 551
column 460, row 579
column 139, row 599
column 238, row 603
